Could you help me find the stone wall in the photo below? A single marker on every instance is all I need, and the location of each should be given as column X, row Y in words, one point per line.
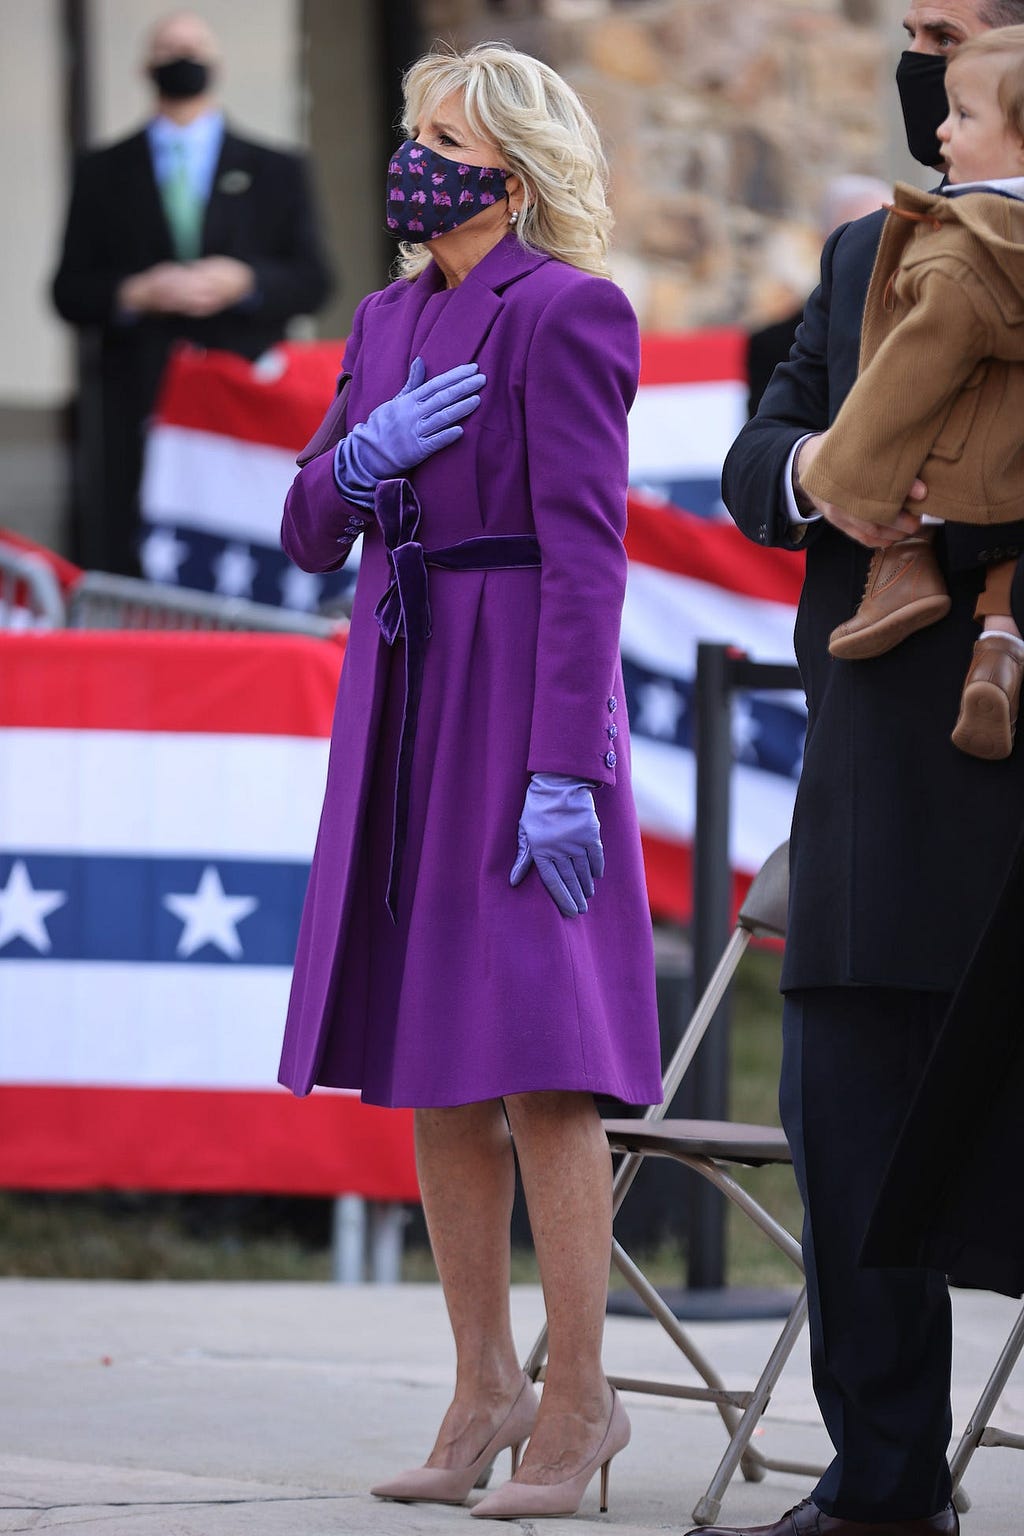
column 723, row 121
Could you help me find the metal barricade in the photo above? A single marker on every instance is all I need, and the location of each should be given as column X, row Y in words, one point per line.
column 102, row 601
column 30, row 595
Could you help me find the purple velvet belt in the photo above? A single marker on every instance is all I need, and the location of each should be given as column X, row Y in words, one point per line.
column 405, row 610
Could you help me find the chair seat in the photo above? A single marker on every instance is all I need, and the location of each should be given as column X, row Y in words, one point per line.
column 753, row 1145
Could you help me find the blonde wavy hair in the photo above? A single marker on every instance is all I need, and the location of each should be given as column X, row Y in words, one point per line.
column 544, row 135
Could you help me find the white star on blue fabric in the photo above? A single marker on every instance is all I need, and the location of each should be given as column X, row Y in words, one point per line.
column 234, row 571
column 300, row 589
column 661, row 706
column 24, row 910
column 210, row 916
column 746, row 731
column 161, row 554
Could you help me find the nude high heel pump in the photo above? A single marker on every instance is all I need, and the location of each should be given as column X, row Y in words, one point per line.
column 453, row 1485
column 519, row 1501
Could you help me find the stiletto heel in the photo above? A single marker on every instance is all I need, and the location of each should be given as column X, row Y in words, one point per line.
column 453, row 1485
column 517, row 1501
column 516, row 1452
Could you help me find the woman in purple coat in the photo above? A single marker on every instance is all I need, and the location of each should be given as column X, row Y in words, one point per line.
column 455, row 954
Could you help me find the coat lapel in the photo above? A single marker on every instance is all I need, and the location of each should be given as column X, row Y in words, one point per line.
column 384, row 356
column 231, row 180
column 463, row 327
column 143, row 195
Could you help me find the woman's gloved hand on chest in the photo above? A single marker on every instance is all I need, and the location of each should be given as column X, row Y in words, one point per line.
column 421, row 419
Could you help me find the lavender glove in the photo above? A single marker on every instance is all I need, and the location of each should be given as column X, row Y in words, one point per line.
column 560, row 833
column 402, row 432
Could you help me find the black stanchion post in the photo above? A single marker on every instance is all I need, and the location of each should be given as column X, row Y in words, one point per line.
column 712, row 904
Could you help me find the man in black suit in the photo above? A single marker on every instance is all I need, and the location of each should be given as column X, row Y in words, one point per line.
column 899, row 846
column 182, row 232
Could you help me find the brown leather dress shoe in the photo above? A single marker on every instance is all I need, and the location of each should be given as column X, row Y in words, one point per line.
column 904, row 591
column 991, row 698
column 808, row 1520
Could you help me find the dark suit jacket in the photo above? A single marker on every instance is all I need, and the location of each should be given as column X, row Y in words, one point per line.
column 766, row 349
column 900, row 842
column 260, row 210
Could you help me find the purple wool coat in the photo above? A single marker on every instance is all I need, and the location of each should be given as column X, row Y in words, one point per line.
column 477, row 989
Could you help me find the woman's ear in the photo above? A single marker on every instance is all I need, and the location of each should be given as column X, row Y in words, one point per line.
column 516, row 194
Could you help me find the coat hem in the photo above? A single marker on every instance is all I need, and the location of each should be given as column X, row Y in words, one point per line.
column 601, row 1088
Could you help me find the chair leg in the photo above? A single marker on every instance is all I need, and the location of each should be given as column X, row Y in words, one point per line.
column 993, row 1390
column 654, row 1303
column 706, row 1510
column 534, row 1363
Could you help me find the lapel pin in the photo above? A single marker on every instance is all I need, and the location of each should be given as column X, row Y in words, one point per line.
column 234, row 181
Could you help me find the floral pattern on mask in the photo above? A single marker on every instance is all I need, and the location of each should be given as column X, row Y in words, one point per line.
column 430, row 196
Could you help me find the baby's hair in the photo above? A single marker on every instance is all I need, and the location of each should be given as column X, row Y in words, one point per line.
column 1005, row 43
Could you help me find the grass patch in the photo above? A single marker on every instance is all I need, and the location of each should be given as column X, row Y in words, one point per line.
column 179, row 1237
column 754, row 1096
column 97, row 1236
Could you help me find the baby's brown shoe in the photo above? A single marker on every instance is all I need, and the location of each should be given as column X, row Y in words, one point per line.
column 991, row 697
column 904, row 591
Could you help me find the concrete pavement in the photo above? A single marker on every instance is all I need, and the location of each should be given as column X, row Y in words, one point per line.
column 216, row 1410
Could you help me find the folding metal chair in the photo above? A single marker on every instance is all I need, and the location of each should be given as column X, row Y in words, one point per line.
column 709, row 1147
column 980, row 1429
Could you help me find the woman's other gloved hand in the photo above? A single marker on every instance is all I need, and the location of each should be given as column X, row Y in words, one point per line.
column 560, row 833
column 402, row 432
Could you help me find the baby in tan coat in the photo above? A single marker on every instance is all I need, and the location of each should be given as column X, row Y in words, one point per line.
column 940, row 394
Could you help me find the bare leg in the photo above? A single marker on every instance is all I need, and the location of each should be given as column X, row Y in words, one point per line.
column 1003, row 623
column 566, row 1169
column 467, row 1180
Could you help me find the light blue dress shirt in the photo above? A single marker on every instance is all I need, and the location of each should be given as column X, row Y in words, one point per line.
column 201, row 142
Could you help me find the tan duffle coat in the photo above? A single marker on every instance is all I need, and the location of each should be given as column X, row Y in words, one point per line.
column 940, row 392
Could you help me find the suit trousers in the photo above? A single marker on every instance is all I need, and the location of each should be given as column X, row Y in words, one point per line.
column 881, row 1339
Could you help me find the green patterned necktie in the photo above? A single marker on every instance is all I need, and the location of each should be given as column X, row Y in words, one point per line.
column 183, row 207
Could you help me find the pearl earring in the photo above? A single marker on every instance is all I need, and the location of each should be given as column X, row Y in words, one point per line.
column 513, row 217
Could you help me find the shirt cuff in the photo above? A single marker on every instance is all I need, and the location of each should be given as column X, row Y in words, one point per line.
column 794, row 512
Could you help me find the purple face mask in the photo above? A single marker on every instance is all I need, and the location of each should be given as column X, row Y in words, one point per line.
column 429, row 195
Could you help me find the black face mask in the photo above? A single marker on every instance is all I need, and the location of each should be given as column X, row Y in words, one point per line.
column 179, row 79
column 920, row 80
